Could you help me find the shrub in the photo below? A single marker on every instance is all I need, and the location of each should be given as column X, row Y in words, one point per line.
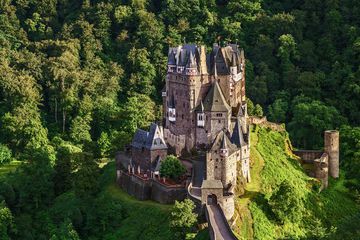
column 172, row 168
column 5, row 154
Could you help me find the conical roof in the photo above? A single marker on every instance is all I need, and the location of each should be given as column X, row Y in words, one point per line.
column 171, row 58
column 215, row 100
column 191, row 61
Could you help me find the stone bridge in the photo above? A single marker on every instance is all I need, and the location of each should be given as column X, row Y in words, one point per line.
column 219, row 227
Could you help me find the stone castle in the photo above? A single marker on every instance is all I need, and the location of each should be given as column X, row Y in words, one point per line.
column 205, row 111
column 205, row 108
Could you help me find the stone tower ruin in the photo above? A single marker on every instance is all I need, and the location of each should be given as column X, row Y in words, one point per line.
column 331, row 147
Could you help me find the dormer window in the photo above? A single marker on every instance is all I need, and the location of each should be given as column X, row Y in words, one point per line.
column 200, row 120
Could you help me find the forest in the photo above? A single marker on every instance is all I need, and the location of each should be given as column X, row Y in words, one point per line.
column 77, row 78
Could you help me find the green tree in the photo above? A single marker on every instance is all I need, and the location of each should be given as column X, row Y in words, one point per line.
column 278, row 110
column 182, row 218
column 286, row 203
column 86, row 176
column 138, row 112
column 171, row 167
column 5, row 154
column 310, row 120
column 6, row 221
column 104, row 144
column 65, row 231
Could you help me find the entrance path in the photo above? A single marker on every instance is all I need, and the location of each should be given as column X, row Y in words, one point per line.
column 218, row 224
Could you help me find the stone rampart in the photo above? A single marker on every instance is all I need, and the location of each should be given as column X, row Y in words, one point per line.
column 265, row 123
column 135, row 186
column 308, row 156
column 145, row 189
column 167, row 194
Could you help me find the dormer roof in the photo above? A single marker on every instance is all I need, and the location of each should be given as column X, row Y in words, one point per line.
column 152, row 140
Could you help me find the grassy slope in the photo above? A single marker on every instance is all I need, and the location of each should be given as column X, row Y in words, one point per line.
column 272, row 163
column 145, row 220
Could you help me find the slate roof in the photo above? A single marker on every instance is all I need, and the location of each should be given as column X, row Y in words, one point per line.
column 200, row 107
column 237, row 136
column 223, row 141
column 228, row 56
column 148, row 140
column 184, row 55
column 215, row 100
column 212, row 184
column 156, row 167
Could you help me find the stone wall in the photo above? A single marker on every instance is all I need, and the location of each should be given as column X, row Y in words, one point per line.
column 150, row 189
column 264, row 122
column 228, row 206
column 167, row 195
column 134, row 186
column 177, row 142
column 308, row 156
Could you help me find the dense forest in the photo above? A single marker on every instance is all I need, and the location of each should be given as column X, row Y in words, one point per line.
column 77, row 78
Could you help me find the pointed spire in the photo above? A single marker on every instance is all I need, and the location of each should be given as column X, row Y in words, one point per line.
column 171, row 58
column 223, row 141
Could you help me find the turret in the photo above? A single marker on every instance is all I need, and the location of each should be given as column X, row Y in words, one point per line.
column 191, row 66
column 233, row 67
column 331, row 147
column 171, row 61
column 224, row 151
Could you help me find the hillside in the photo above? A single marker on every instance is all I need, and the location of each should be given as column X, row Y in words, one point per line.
column 123, row 217
column 318, row 215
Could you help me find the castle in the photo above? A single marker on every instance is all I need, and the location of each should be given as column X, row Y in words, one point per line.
column 205, row 110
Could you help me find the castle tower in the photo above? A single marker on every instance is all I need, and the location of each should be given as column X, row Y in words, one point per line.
column 322, row 169
column 331, row 147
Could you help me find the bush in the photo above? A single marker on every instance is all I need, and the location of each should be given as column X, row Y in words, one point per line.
column 172, row 168
column 5, row 154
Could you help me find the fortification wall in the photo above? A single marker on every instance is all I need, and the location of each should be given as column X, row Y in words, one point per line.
column 228, row 206
column 167, row 195
column 135, row 186
column 308, row 156
column 143, row 189
column 177, row 142
column 264, row 122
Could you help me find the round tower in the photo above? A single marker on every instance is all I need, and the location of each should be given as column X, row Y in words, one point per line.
column 331, row 147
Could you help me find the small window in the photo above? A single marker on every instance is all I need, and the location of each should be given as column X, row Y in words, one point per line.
column 219, row 121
